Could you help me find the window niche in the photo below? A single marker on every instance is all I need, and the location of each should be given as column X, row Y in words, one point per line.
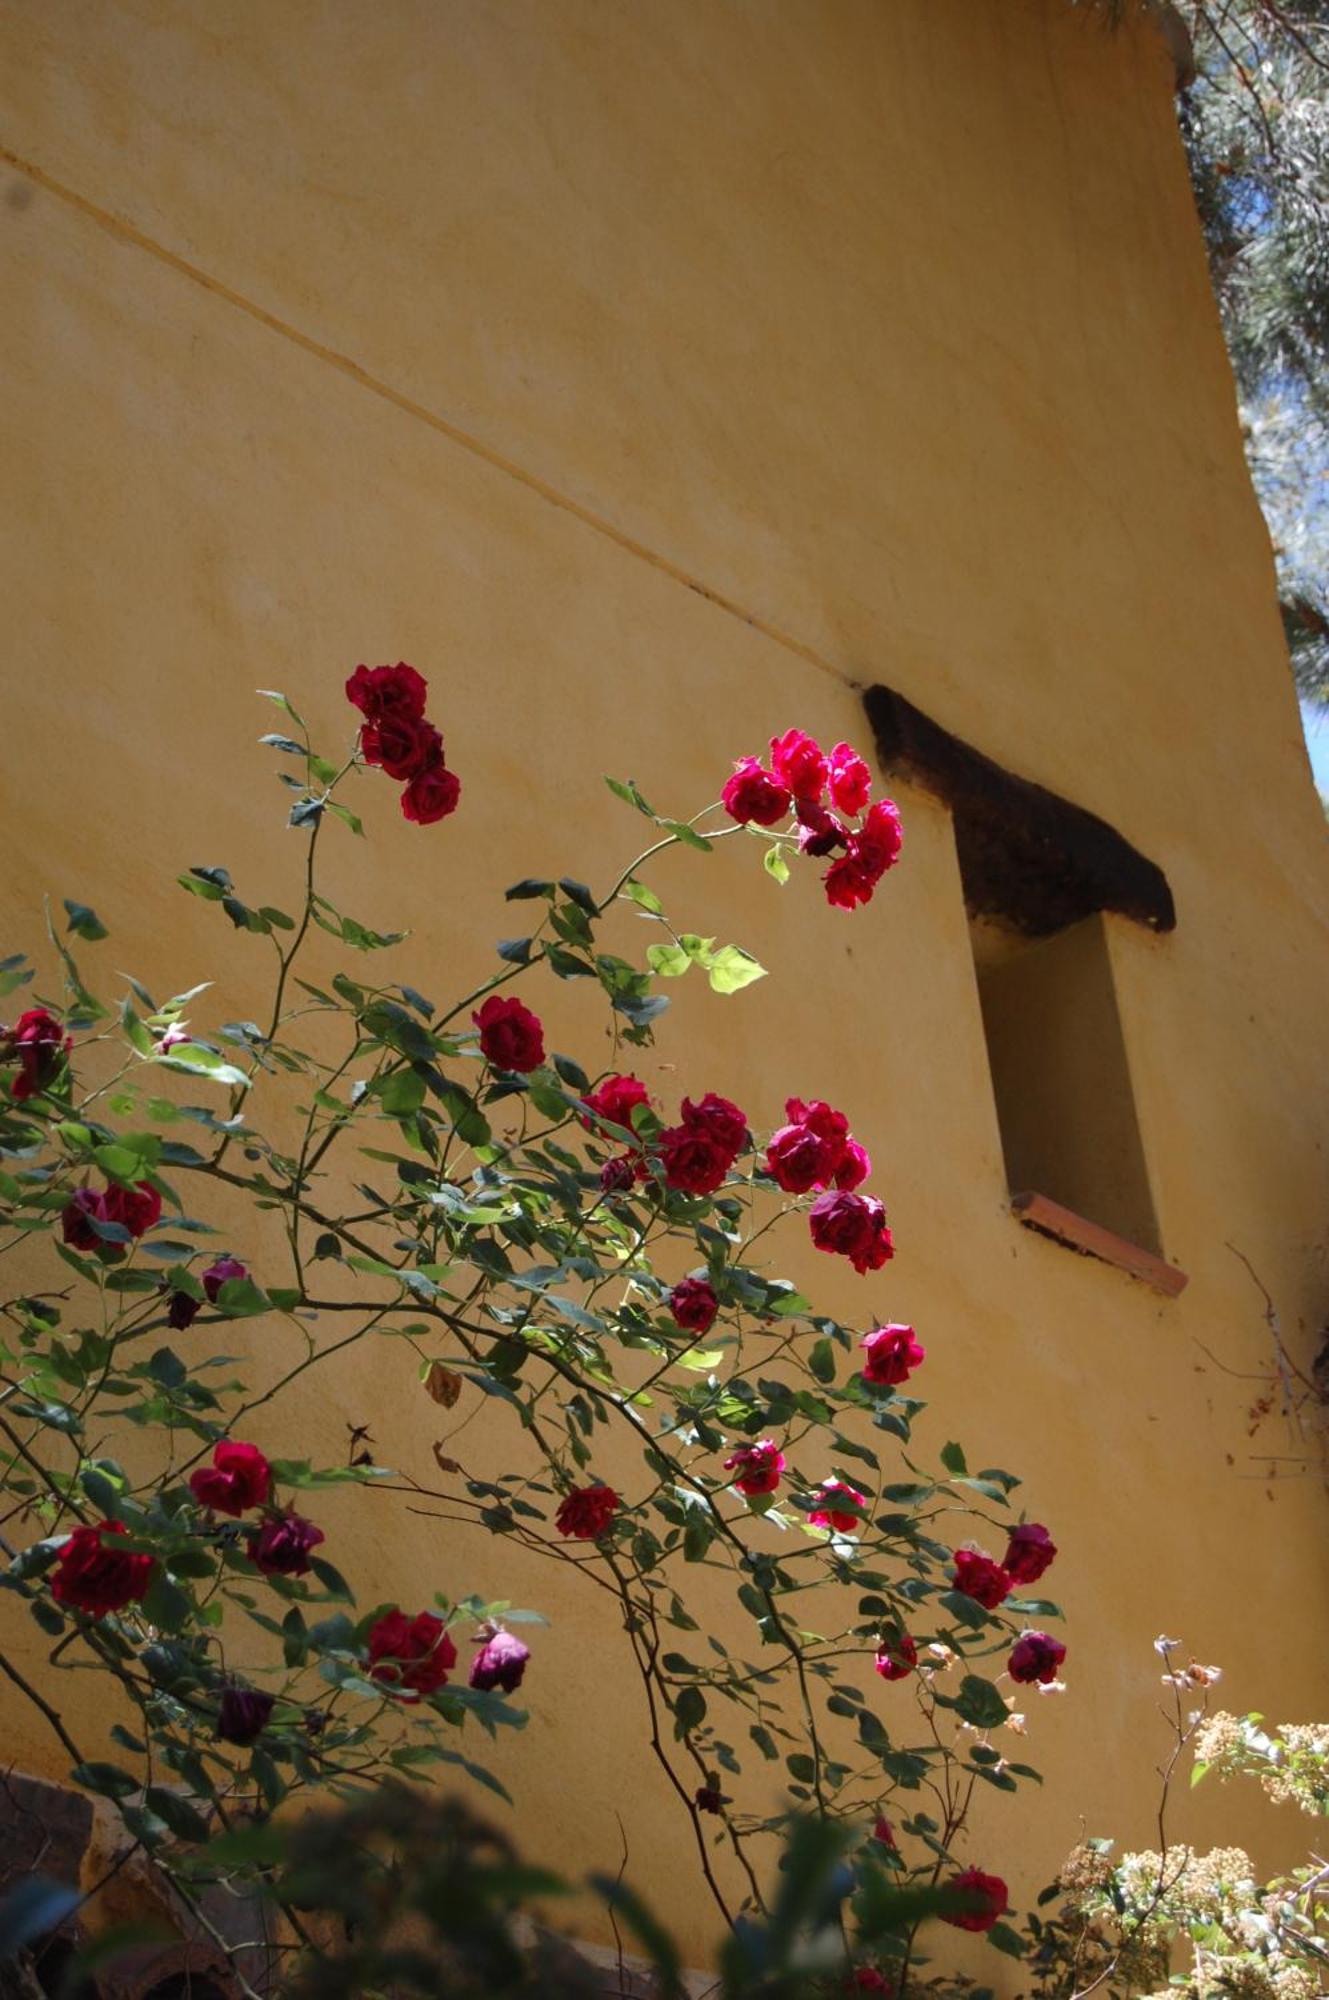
column 1039, row 876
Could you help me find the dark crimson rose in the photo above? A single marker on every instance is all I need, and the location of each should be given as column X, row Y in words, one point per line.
column 796, row 1158
column 867, row 1979
column 819, row 832
column 707, row 1799
column 77, row 1230
column 239, row 1477
column 617, row 1175
column 980, row 1578
column 431, row 795
column 95, row 1576
column 833, row 1511
column 884, row 1832
column 1035, row 1656
column 243, row 1715
column 693, row 1161
column 851, row 780
column 137, row 1208
column 694, row 1305
column 852, row 1226
column 758, row 1467
column 282, row 1546
column 615, row 1099
column 1029, row 1552
column 500, row 1663
column 40, row 1045
column 511, row 1036
column 719, row 1119
column 403, row 746
column 182, row 1311
column 896, row 1657
column 217, row 1274
column 413, row 1653
column 752, row 794
column 381, row 693
column 855, row 1166
column 892, row 1355
column 585, row 1513
column 799, row 762
column 984, row 1894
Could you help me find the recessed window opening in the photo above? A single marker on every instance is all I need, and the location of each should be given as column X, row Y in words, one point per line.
column 1060, row 1077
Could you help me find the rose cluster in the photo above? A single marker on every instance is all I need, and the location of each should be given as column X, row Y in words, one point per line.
column 134, row 1209
column 397, row 736
column 863, row 837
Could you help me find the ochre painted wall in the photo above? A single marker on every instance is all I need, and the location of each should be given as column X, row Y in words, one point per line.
column 654, row 375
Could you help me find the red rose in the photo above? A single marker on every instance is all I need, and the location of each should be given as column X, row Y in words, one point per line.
column 182, row 1311
column 615, row 1099
column 242, row 1714
column 585, row 1514
column 500, row 1663
column 884, row 1832
column 980, row 1578
column 758, row 1467
column 40, row 1046
column 753, row 794
column 282, row 1546
column 1029, row 1552
column 832, row 1513
column 217, row 1275
column 136, row 1208
column 799, row 762
column 239, row 1477
column 847, row 883
column 851, row 780
column 511, row 1036
column 719, row 1119
column 854, row 1167
column 876, row 846
column 852, row 1226
column 1035, row 1656
column 694, row 1305
column 401, row 745
column 796, row 1159
column 76, row 1228
column 617, row 1175
column 985, row 1896
column 431, row 795
column 383, row 693
column 413, row 1653
column 893, row 1354
column 693, row 1161
column 95, row 1576
column 896, row 1657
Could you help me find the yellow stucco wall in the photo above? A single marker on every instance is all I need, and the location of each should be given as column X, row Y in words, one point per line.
column 654, row 375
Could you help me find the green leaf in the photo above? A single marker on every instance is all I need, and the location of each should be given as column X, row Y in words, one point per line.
column 689, row 1709
column 184, row 1820
column 241, row 1298
column 775, row 865
column 645, row 899
column 1007, row 1940
column 731, row 969
column 107, row 1779
column 688, row 835
column 952, row 1457
column 271, row 694
column 85, row 922
column 668, row 961
column 979, row 1702
column 285, row 743
column 192, row 1059
column 523, row 890
column 402, row 1093
column 821, row 1360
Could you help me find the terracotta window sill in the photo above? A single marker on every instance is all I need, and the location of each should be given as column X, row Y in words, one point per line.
column 1037, row 1211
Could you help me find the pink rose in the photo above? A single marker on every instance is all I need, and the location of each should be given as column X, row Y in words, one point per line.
column 799, row 762
column 500, row 1663
column 836, row 1499
column 851, row 780
column 892, row 1355
column 218, row 1274
column 896, row 1657
column 758, row 1467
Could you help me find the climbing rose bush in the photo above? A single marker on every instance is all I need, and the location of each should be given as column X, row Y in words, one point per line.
column 525, row 1230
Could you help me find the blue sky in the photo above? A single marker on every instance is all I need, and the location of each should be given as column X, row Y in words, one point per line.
column 1315, row 721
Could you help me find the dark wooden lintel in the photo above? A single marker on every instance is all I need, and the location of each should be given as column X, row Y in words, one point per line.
column 1028, row 858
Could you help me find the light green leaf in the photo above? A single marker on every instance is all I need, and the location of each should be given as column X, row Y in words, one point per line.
column 732, row 968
